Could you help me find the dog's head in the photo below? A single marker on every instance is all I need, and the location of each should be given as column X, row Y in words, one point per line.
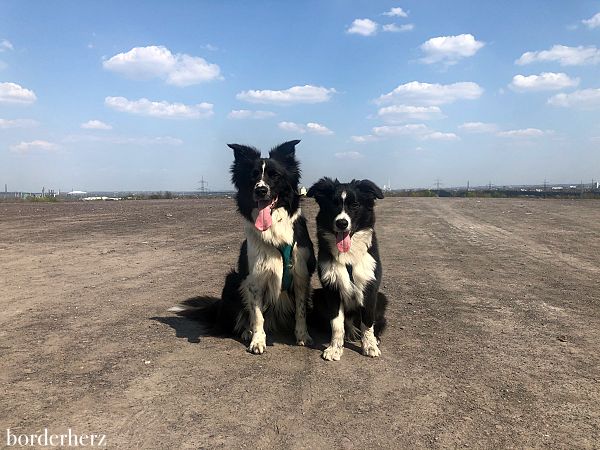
column 264, row 184
column 345, row 208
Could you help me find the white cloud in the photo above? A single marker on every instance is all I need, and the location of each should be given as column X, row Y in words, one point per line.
column 546, row 81
column 419, row 93
column 158, row 62
column 523, row 133
column 119, row 140
column 311, row 127
column 26, row 147
column 5, row 45
column 582, row 99
column 565, row 56
column 295, row 94
column 450, row 49
column 418, row 129
column 478, row 127
column 349, row 155
column 364, row 138
column 439, row 136
column 247, row 114
column 317, row 128
column 393, row 28
column 592, row 22
column 404, row 113
column 145, row 107
column 396, row 12
column 364, row 27
column 292, row 126
column 17, row 123
column 96, row 125
column 13, row 93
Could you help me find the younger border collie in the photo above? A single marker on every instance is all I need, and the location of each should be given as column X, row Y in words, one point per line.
column 348, row 263
column 272, row 284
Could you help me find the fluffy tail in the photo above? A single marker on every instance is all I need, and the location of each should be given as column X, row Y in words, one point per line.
column 224, row 315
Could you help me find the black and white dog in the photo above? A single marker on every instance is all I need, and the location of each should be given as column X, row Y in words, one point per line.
column 348, row 263
column 272, row 284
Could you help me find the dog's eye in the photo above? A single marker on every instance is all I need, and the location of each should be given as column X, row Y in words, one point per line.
column 255, row 173
column 273, row 174
column 354, row 205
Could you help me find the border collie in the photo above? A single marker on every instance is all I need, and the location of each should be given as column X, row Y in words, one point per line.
column 348, row 264
column 271, row 287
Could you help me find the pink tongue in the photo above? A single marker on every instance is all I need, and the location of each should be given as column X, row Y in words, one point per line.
column 263, row 220
column 342, row 241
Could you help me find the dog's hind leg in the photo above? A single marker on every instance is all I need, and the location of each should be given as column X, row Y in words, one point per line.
column 301, row 294
column 302, row 336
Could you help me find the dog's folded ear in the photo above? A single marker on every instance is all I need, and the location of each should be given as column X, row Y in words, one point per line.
column 244, row 152
column 325, row 187
column 369, row 188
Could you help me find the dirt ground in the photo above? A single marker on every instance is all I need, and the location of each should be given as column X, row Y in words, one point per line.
column 493, row 338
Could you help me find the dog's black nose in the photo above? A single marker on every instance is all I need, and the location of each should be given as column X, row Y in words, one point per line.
column 342, row 224
column 261, row 191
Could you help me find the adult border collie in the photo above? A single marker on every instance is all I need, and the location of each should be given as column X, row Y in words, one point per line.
column 272, row 284
column 348, row 263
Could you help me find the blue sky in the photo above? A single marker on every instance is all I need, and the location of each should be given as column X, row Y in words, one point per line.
column 146, row 95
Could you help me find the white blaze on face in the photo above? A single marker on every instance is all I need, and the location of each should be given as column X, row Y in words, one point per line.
column 263, row 219
column 342, row 237
column 261, row 182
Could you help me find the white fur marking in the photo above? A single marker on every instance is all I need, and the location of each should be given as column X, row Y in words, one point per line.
column 369, row 342
column 336, row 347
column 343, row 215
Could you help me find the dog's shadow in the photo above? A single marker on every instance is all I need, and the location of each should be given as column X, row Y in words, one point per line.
column 195, row 328
column 192, row 329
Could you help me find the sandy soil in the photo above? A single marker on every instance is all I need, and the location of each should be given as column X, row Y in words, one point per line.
column 493, row 341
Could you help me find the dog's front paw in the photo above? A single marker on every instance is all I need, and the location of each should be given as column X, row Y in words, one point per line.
column 333, row 353
column 303, row 338
column 258, row 345
column 371, row 349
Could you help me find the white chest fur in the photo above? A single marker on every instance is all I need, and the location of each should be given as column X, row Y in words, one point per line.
column 335, row 273
column 281, row 231
column 265, row 262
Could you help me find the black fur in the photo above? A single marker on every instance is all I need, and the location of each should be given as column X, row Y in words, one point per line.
column 359, row 206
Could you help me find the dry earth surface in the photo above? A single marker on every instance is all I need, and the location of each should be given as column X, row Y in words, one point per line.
column 493, row 341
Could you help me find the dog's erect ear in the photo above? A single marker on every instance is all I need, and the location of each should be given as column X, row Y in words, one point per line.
column 244, row 152
column 285, row 152
column 369, row 188
column 322, row 188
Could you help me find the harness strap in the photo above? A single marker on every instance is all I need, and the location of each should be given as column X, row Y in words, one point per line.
column 286, row 255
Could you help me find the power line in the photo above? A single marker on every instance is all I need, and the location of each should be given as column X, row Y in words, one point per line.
column 203, row 186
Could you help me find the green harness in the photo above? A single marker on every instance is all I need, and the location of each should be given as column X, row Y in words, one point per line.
column 286, row 255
